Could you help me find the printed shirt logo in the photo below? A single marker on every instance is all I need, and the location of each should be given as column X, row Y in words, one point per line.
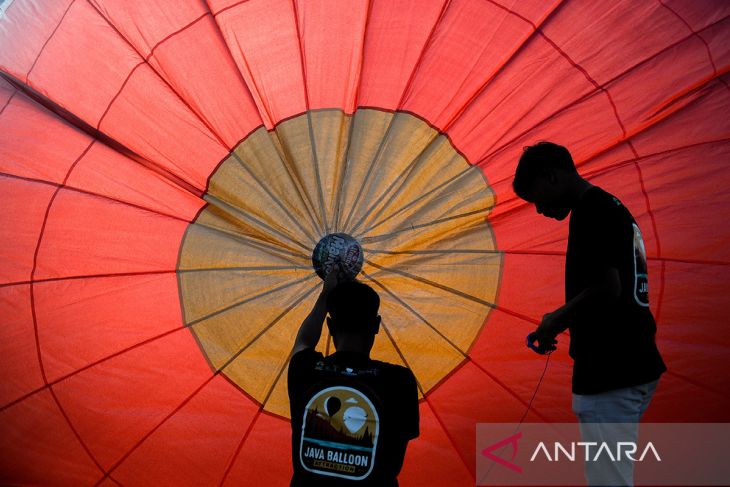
column 339, row 434
column 641, row 277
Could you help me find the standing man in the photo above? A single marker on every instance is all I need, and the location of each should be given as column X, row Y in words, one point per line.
column 351, row 416
column 616, row 362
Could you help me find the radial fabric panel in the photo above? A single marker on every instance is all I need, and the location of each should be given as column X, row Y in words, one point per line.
column 168, row 168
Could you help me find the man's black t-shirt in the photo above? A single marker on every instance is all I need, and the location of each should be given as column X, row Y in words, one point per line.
column 612, row 347
column 351, row 419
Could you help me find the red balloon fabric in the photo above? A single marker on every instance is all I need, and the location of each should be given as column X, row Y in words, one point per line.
column 167, row 168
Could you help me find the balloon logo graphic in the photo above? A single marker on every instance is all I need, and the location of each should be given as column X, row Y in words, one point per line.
column 354, row 418
column 332, row 405
column 172, row 173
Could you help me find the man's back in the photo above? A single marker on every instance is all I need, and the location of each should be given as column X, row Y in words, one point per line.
column 352, row 418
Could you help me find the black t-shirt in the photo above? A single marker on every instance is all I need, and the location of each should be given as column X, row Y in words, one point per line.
column 612, row 347
column 351, row 419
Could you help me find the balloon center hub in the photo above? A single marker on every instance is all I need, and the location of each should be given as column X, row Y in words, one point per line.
column 337, row 248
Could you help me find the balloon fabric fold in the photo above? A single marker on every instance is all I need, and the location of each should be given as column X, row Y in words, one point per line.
column 168, row 168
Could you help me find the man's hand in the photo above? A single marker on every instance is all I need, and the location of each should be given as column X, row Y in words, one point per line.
column 311, row 328
column 545, row 334
column 331, row 279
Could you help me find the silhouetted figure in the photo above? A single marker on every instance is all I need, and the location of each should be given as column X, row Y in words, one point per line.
column 351, row 416
column 616, row 362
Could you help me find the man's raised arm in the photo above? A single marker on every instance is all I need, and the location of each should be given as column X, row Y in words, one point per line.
column 311, row 328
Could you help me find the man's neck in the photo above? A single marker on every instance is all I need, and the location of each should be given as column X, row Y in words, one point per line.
column 577, row 188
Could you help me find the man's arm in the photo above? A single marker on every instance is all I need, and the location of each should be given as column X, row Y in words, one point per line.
column 311, row 328
column 595, row 298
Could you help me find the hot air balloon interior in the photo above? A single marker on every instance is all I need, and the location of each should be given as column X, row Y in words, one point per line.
column 170, row 171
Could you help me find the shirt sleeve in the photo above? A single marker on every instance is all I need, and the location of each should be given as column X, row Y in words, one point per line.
column 301, row 367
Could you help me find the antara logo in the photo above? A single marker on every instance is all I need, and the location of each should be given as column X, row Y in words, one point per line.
column 592, row 452
column 602, row 451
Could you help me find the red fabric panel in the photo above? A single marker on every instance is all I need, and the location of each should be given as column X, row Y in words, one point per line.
column 104, row 171
column 431, row 458
column 265, row 458
column 81, row 321
column 692, row 336
column 533, row 11
column 24, row 205
column 199, row 67
column 464, row 53
column 18, row 355
column 500, row 349
column 697, row 14
column 114, row 404
column 37, row 425
column 468, row 397
column 21, row 44
column 39, row 154
column 332, row 69
column 145, row 24
column 195, row 446
column 185, row 48
column 86, row 235
column 397, row 31
column 501, row 113
column 616, row 35
column 700, row 122
column 99, row 59
column 262, row 38
column 109, row 86
column 717, row 38
column 595, row 111
column 6, row 93
column 532, row 285
column 683, row 215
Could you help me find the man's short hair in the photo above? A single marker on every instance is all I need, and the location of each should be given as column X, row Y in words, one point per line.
column 353, row 307
column 535, row 160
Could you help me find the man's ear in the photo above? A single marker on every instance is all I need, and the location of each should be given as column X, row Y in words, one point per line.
column 551, row 176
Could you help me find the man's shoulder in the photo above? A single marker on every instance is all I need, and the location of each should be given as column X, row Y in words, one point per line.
column 308, row 356
column 601, row 206
column 393, row 370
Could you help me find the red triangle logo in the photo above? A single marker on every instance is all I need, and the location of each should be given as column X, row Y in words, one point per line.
column 512, row 440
